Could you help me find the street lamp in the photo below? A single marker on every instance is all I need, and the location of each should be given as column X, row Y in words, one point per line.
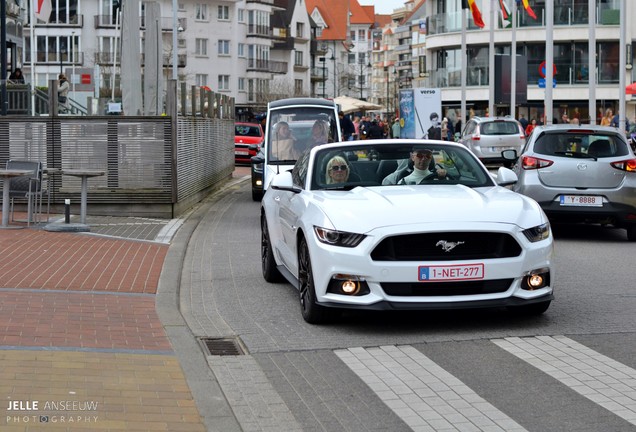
column 62, row 52
column 388, row 108
column 324, row 72
column 72, row 58
column 362, row 67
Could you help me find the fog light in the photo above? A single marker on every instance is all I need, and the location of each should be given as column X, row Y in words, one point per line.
column 536, row 279
column 346, row 284
column 349, row 287
column 259, row 182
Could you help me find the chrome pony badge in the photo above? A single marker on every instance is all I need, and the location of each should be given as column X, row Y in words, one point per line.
column 448, row 246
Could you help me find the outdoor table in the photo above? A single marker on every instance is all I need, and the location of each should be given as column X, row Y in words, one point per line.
column 84, row 174
column 6, row 175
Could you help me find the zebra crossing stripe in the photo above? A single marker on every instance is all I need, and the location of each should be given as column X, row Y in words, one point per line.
column 602, row 380
column 421, row 393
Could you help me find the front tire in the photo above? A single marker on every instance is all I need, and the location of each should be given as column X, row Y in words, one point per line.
column 257, row 195
column 311, row 311
column 268, row 263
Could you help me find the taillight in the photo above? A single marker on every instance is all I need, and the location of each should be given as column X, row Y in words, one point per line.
column 529, row 163
column 626, row 165
column 475, row 137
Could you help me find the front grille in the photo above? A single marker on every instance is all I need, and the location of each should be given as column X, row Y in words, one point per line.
column 434, row 289
column 431, row 247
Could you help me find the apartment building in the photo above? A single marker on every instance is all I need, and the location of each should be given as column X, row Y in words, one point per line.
column 436, row 56
column 343, row 37
column 252, row 50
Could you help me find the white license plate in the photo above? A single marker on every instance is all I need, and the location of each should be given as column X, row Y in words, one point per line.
column 582, row 200
column 238, row 152
column 450, row 272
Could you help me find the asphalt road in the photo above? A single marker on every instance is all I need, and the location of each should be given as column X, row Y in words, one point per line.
column 571, row 369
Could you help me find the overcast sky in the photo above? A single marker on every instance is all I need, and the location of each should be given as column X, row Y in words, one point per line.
column 383, row 6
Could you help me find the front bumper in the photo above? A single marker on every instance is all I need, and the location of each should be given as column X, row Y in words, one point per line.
column 328, row 261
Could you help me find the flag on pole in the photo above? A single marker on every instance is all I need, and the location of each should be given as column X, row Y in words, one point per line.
column 474, row 10
column 42, row 9
column 528, row 9
column 506, row 15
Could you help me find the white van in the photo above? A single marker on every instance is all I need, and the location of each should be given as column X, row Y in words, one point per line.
column 293, row 126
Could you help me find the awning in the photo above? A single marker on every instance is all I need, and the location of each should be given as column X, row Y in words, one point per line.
column 349, row 104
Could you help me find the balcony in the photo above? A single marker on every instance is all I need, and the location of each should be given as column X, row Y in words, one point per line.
column 56, row 58
column 270, row 66
column 74, row 21
column 319, row 74
column 256, row 30
column 108, row 21
column 106, row 58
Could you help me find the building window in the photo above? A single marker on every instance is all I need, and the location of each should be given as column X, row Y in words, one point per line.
column 224, row 82
column 241, row 50
column 201, row 47
column 298, row 87
column 201, row 80
column 298, row 58
column 241, row 15
column 300, row 30
column 224, row 47
column 319, row 32
column 223, row 13
column 362, row 35
column 351, row 58
column 201, row 12
column 241, row 84
column 362, row 58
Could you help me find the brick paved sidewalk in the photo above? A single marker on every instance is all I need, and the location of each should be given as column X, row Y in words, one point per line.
column 78, row 329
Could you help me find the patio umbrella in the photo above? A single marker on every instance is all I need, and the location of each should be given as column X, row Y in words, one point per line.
column 349, row 104
column 630, row 89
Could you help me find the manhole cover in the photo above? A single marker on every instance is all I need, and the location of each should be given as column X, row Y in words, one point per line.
column 222, row 346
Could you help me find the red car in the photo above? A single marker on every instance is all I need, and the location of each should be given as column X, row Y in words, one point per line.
column 246, row 135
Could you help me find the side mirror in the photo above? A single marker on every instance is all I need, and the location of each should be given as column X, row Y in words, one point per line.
column 506, row 177
column 283, row 181
column 510, row 155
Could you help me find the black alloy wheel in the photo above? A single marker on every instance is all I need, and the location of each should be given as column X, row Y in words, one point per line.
column 268, row 264
column 311, row 311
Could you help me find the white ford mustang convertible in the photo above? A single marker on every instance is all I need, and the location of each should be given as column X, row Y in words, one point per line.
column 404, row 225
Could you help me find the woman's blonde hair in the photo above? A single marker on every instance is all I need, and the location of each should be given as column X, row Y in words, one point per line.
column 333, row 161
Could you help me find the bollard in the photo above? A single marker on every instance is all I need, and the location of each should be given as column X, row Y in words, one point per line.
column 67, row 211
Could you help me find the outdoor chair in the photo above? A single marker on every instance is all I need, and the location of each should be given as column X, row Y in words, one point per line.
column 27, row 187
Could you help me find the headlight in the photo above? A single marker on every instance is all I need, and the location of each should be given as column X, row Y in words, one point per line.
column 338, row 238
column 538, row 233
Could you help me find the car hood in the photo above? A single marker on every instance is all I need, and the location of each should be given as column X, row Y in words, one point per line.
column 364, row 209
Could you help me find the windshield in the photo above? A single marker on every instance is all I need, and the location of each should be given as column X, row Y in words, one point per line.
column 396, row 165
column 294, row 130
column 247, row 130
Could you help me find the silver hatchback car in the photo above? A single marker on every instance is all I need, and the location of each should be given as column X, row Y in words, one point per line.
column 580, row 174
column 487, row 137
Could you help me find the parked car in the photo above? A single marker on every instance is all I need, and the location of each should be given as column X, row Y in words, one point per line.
column 580, row 174
column 348, row 238
column 487, row 137
column 248, row 137
column 297, row 117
